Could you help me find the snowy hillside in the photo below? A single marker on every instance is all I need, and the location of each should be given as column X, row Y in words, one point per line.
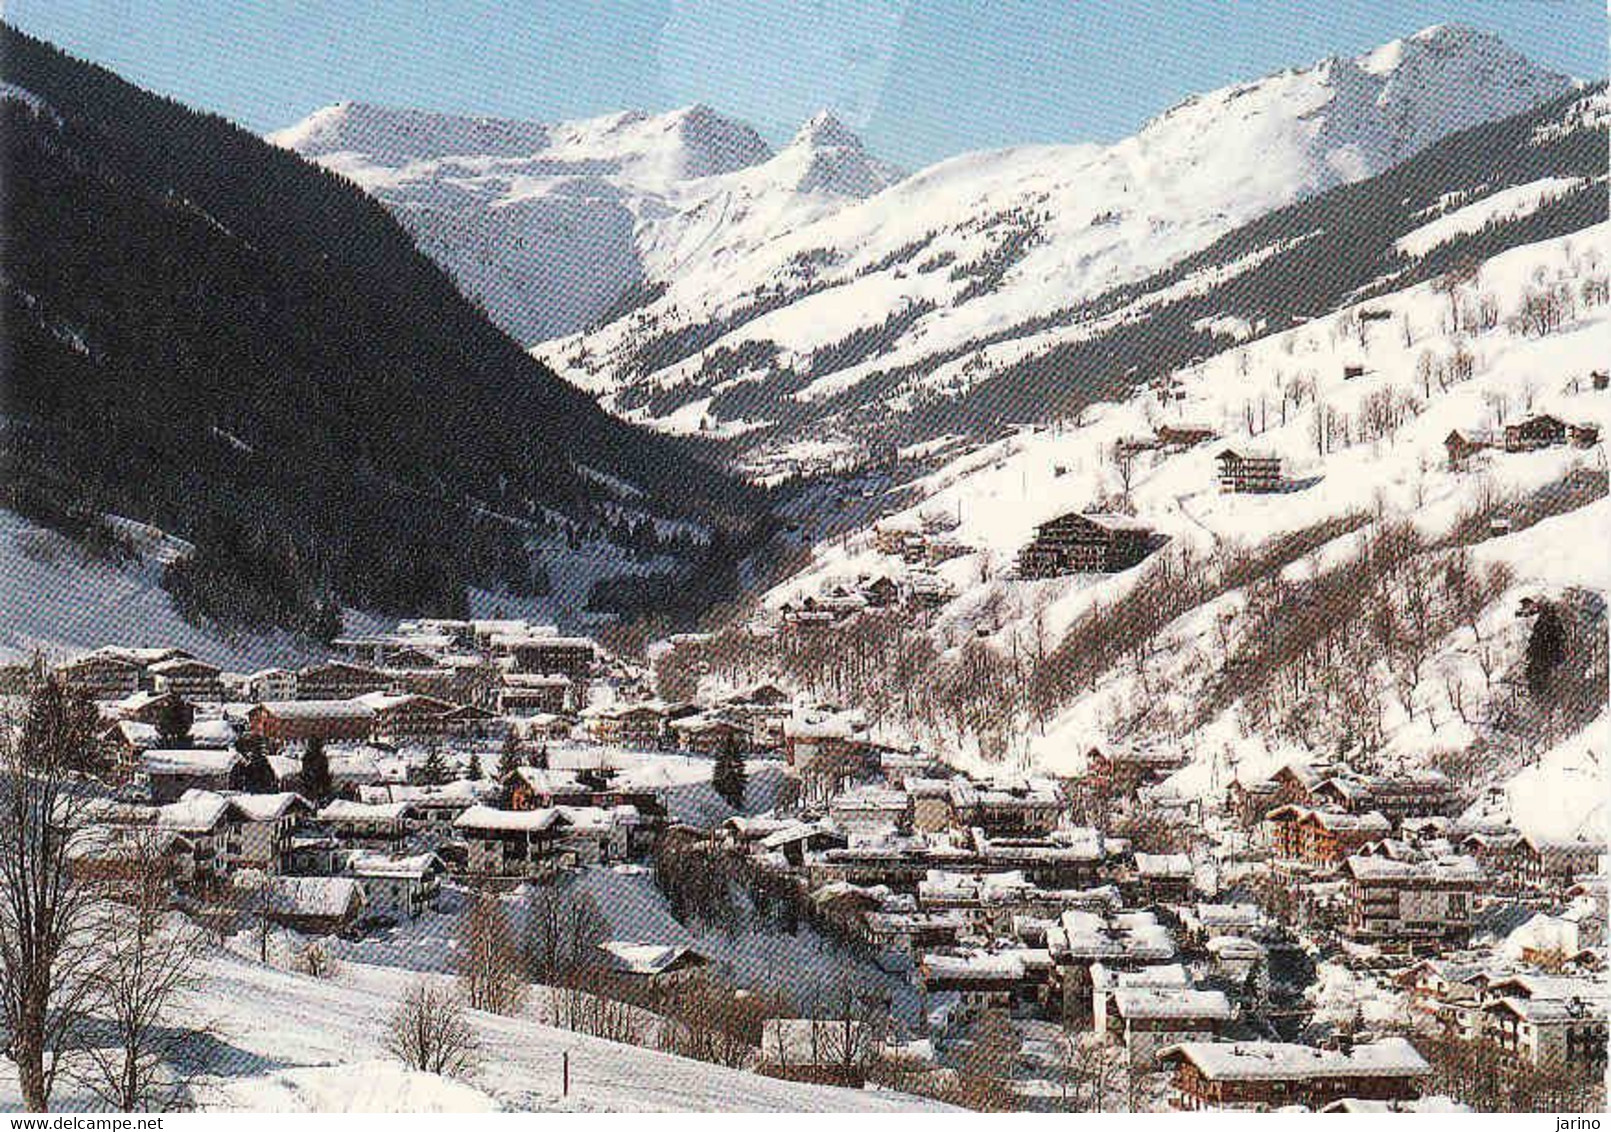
column 60, row 601
column 978, row 249
column 293, row 1043
column 551, row 226
column 1078, row 663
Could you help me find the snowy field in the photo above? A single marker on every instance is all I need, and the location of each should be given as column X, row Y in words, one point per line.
column 288, row 1042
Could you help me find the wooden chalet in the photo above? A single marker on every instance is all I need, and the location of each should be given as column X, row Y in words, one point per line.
column 1321, row 838
column 656, row 965
column 1182, row 435
column 339, row 680
column 712, row 735
column 571, row 657
column 169, row 774
column 1249, row 472
column 986, row 980
column 1558, row 861
column 1264, row 1076
column 1147, row 1019
column 112, row 673
column 1411, row 903
column 1462, row 444
column 1125, row 771
column 313, row 905
column 185, row 676
column 1164, row 878
column 640, row 725
column 1084, row 543
column 1540, row 431
column 527, row 694
column 531, row 788
column 300, row 720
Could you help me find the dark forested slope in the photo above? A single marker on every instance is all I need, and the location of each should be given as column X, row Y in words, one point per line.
column 208, row 333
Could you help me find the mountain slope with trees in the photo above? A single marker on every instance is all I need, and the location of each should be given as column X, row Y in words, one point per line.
column 207, row 333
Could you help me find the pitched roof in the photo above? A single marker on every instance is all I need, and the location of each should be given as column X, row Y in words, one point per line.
column 1285, row 1061
column 317, row 709
column 342, row 810
column 200, row 760
column 487, row 818
column 1171, row 1002
column 379, row 865
column 649, row 958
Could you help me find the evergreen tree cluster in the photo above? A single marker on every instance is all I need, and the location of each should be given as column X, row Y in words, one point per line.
column 208, row 333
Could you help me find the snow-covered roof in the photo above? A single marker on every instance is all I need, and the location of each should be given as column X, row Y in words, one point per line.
column 878, row 798
column 1217, row 917
column 1553, row 1011
column 488, row 818
column 1442, row 869
column 212, row 733
column 543, row 781
column 1152, row 975
column 180, row 664
column 974, row 965
column 648, row 958
column 266, row 807
column 377, row 865
column 1112, row 521
column 1285, row 1061
column 343, row 810
column 198, row 761
column 318, row 709
column 314, row 896
column 196, row 811
column 1157, row 866
column 1171, row 1002
column 1086, row 934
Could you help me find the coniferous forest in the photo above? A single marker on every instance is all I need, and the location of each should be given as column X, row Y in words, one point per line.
column 207, row 333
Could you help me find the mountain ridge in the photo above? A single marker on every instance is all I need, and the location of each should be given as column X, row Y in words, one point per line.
column 548, row 226
column 960, row 253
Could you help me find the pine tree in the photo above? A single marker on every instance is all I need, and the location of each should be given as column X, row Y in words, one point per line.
column 316, row 781
column 509, row 758
column 173, row 724
column 327, row 623
column 435, row 771
column 1546, row 649
column 255, row 775
column 473, row 770
column 728, row 777
column 539, row 757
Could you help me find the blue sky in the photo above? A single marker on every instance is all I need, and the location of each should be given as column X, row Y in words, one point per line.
column 920, row 80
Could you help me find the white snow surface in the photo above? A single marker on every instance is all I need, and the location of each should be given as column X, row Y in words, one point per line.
column 548, row 224
column 1000, row 492
column 55, row 599
column 290, row 1042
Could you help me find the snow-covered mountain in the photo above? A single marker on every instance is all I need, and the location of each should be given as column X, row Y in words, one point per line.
column 549, row 226
column 799, row 330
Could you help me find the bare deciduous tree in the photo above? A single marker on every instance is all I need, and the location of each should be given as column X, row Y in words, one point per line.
column 430, row 1032
column 564, row 929
column 489, row 962
column 150, row 967
column 49, row 938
